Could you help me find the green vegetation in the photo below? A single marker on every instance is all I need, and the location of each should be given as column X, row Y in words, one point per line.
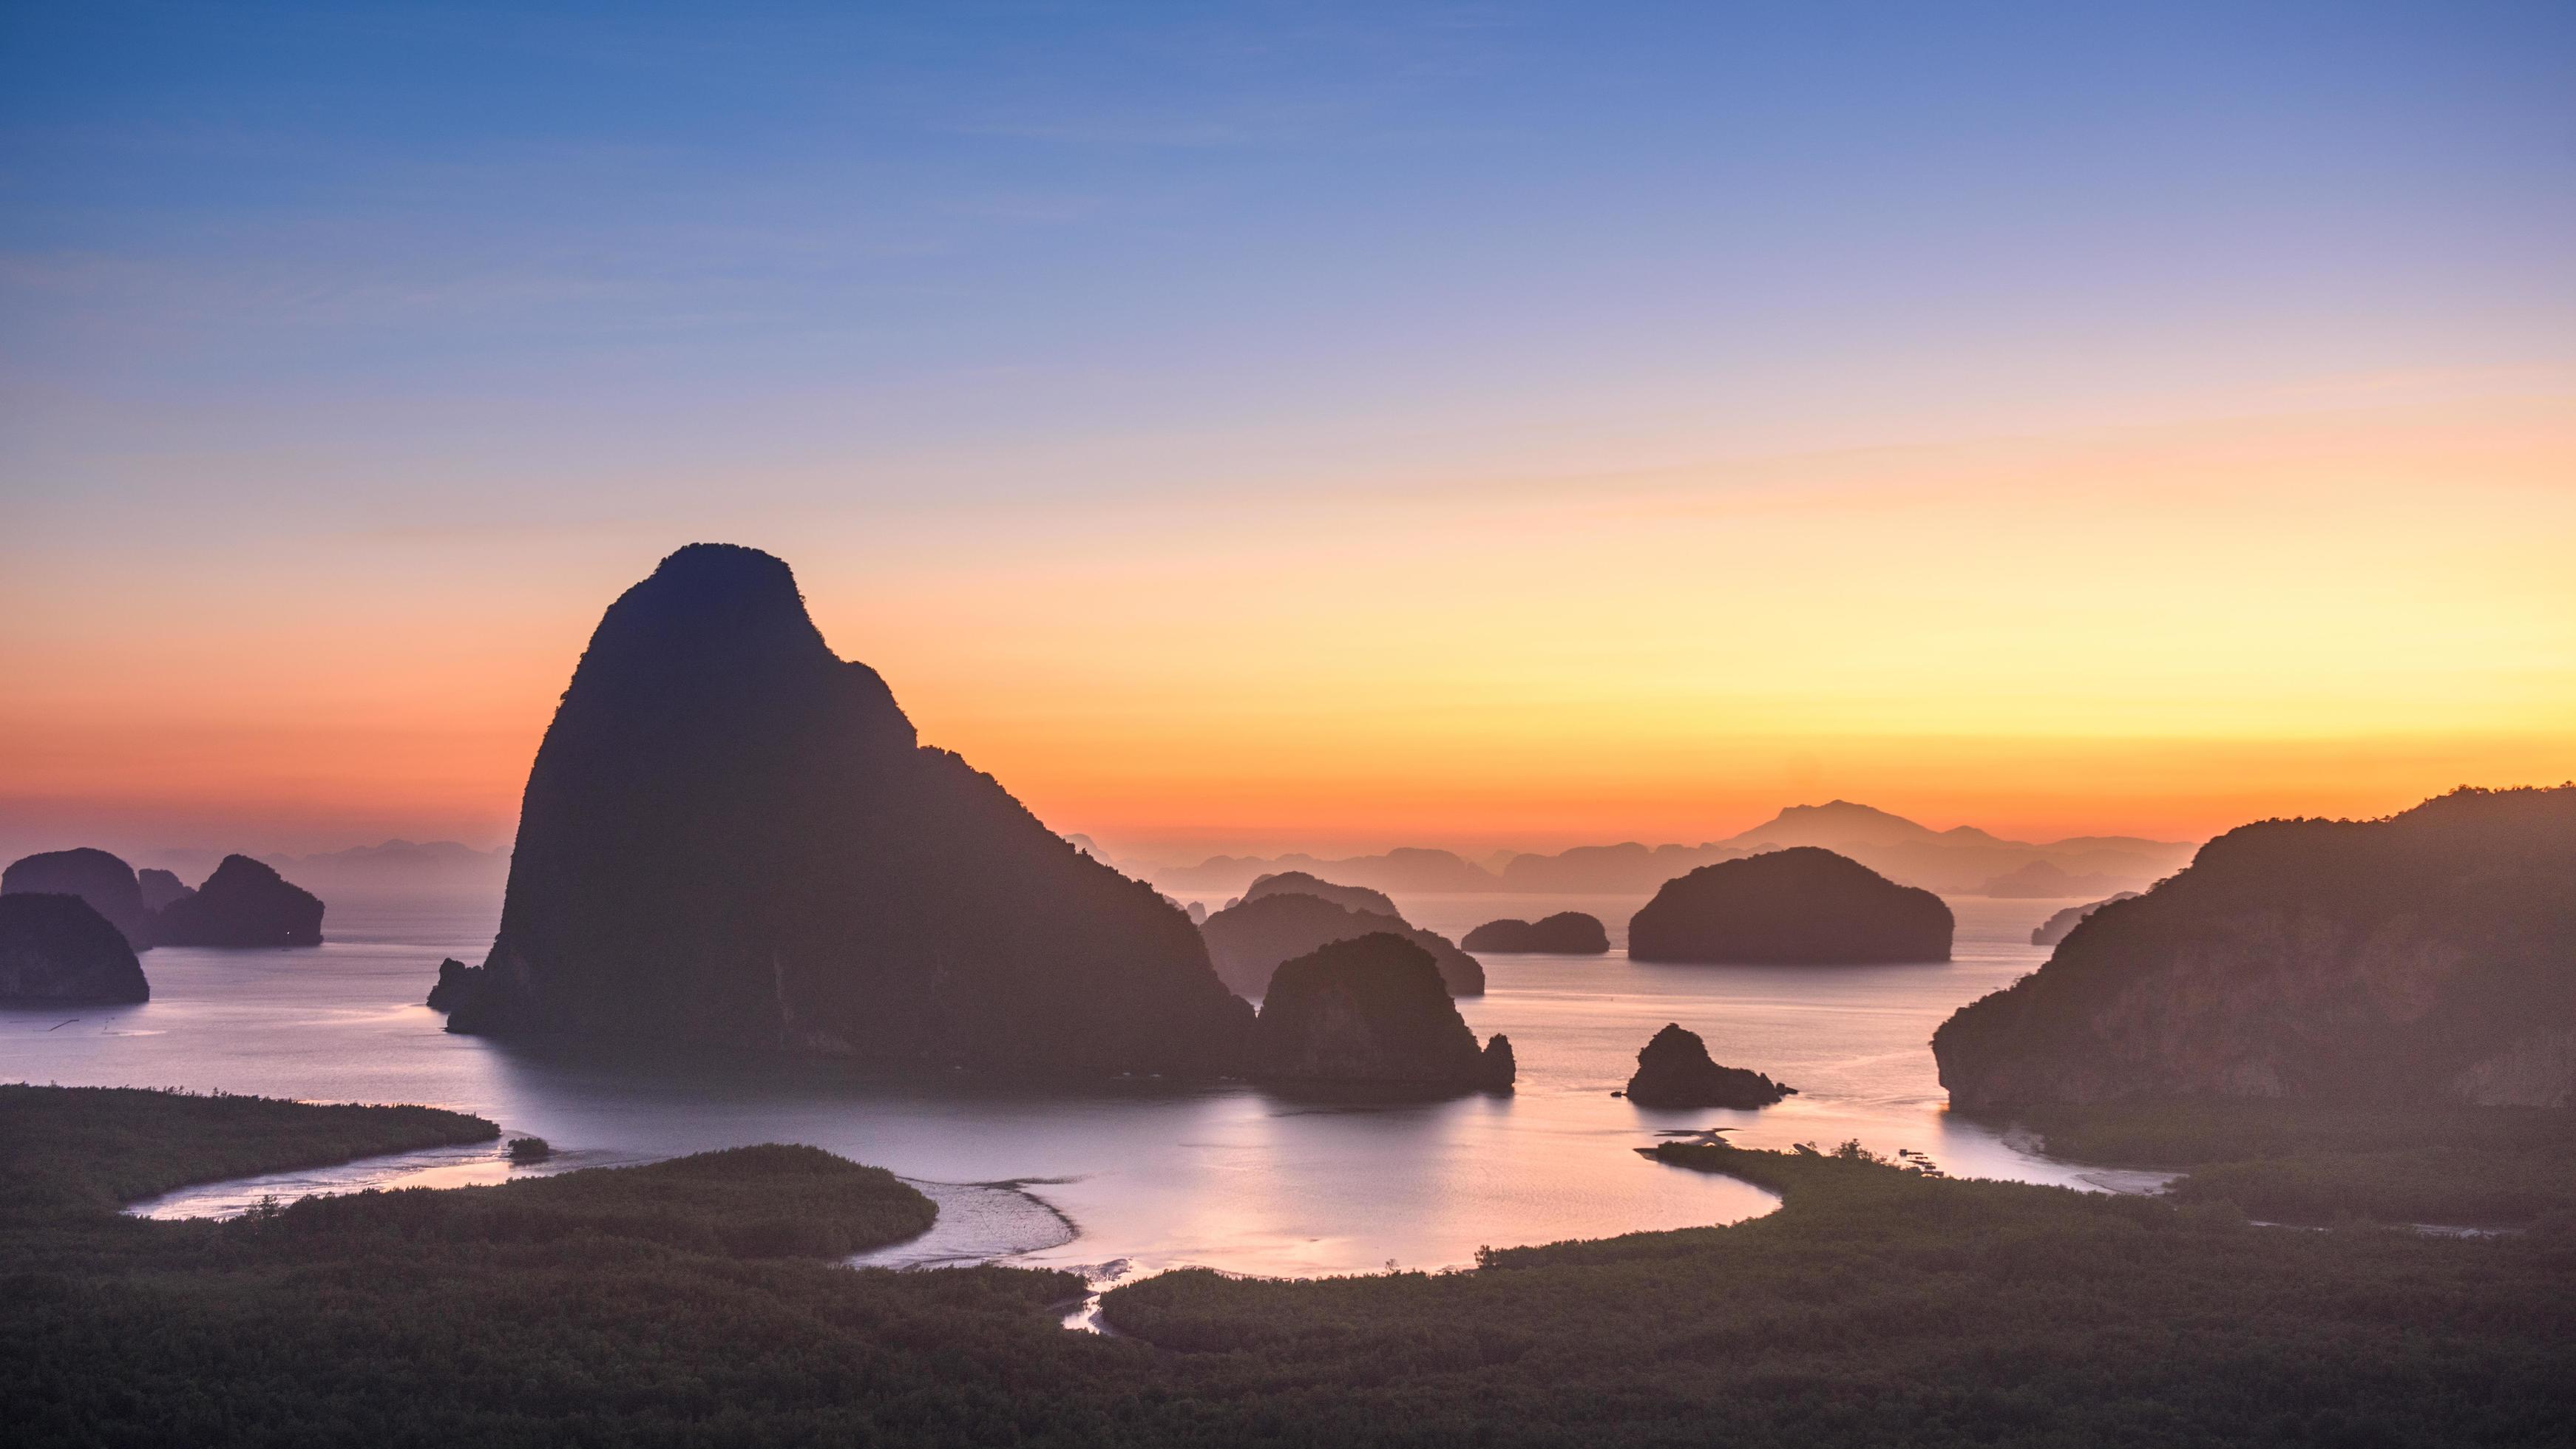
column 1882, row 1306
column 89, row 1149
column 2300, row 1163
column 746, row 1202
column 645, row 1306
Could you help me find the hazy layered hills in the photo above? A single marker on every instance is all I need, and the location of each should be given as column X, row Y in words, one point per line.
column 394, row 863
column 1959, row 861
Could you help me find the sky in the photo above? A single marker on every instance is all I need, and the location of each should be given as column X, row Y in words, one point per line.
column 1247, row 428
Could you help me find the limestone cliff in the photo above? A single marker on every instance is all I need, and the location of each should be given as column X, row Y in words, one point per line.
column 1371, row 1012
column 2430, row 956
column 732, row 837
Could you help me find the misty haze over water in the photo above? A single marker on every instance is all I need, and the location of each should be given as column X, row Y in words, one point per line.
column 1148, row 1175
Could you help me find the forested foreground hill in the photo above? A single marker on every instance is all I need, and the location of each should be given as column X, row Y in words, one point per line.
column 1879, row 1306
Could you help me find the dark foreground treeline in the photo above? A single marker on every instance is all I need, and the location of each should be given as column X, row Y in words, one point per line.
column 696, row 1303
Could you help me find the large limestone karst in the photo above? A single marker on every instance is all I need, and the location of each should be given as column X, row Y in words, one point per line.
column 102, row 879
column 730, row 836
column 1371, row 1012
column 1800, row 906
column 1248, row 940
column 2427, row 957
column 244, row 903
column 1674, row 1070
column 1567, row 933
column 59, row 949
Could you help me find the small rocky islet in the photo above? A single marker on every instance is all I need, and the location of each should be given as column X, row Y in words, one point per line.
column 1674, row 1070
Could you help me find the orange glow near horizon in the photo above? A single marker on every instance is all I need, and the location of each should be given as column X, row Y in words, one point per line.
column 2159, row 631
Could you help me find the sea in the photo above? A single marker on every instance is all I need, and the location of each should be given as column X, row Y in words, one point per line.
column 1118, row 1178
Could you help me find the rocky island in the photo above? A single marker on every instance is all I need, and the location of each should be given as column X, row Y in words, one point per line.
column 160, row 888
column 1567, row 933
column 1249, row 940
column 244, row 903
column 1674, row 1070
column 732, row 837
column 2419, row 959
column 1371, row 1012
column 59, row 949
column 102, row 879
column 1800, row 906
column 2056, row 927
column 1300, row 883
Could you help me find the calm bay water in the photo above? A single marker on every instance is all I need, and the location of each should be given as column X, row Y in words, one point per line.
column 1123, row 1176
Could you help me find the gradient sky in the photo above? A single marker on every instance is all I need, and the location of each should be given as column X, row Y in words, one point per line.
column 1303, row 426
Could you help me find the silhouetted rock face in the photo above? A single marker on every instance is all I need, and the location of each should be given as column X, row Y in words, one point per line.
column 58, row 948
column 2421, row 958
column 1567, row 933
column 101, row 879
column 1800, row 906
column 244, row 903
column 1249, row 940
column 160, row 888
column 1299, row 883
column 456, row 982
column 730, row 836
column 1370, row 1012
column 2056, row 927
column 1674, row 1070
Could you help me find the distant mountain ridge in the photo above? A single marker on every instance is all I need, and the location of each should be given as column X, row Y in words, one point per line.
column 1963, row 860
column 392, row 862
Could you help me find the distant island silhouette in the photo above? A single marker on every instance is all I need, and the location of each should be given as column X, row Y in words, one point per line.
column 1960, row 861
column 244, row 903
column 57, row 948
column 1800, row 906
column 2056, row 927
column 1301, row 883
column 1567, row 933
column 103, row 880
column 1249, row 940
column 732, row 837
column 1371, row 1012
column 2422, row 958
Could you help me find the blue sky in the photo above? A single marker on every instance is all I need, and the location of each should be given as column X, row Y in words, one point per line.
column 462, row 243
